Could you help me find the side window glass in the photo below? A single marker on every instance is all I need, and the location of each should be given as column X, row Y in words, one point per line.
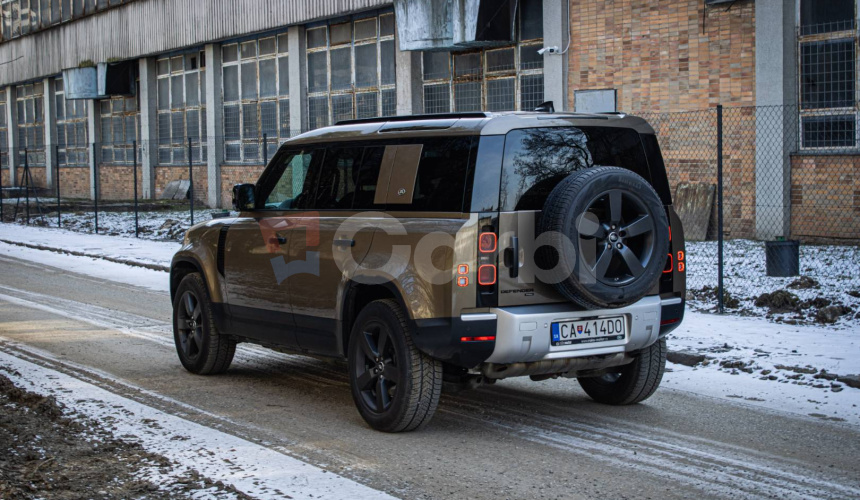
column 337, row 179
column 441, row 177
column 294, row 186
column 368, row 178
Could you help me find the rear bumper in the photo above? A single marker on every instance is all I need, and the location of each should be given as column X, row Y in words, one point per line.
column 523, row 332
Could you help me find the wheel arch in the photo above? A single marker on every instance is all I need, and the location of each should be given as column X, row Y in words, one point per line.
column 184, row 264
column 358, row 295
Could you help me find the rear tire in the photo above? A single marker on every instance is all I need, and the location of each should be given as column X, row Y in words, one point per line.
column 201, row 348
column 634, row 383
column 395, row 386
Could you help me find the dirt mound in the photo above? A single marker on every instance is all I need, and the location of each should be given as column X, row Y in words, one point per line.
column 803, row 283
column 780, row 301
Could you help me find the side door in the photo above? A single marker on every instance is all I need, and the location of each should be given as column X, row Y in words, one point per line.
column 256, row 251
column 338, row 236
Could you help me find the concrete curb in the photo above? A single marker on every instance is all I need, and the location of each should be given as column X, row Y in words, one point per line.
column 128, row 262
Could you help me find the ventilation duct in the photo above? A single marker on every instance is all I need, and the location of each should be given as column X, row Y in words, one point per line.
column 99, row 82
column 454, row 24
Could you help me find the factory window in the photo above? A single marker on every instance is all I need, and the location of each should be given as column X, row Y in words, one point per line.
column 72, row 147
column 351, row 70
column 181, row 108
column 22, row 17
column 498, row 79
column 828, row 74
column 256, row 91
column 120, row 123
column 31, row 123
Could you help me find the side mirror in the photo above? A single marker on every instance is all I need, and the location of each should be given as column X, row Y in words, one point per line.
column 243, row 197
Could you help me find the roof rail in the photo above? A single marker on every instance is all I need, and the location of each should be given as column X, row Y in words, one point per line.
column 406, row 118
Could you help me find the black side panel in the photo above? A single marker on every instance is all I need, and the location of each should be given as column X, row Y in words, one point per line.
column 317, row 335
column 222, row 240
column 271, row 327
column 440, row 339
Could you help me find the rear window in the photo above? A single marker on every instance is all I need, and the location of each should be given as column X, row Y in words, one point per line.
column 441, row 179
column 537, row 159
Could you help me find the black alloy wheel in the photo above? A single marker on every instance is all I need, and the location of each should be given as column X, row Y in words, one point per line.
column 376, row 372
column 190, row 325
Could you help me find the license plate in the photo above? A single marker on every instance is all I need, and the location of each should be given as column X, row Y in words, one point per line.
column 588, row 330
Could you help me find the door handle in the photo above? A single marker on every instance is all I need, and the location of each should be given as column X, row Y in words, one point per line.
column 512, row 257
column 344, row 243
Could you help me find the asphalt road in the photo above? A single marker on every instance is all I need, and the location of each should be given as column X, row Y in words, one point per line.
column 516, row 439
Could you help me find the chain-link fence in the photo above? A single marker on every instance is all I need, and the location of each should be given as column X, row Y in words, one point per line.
column 741, row 177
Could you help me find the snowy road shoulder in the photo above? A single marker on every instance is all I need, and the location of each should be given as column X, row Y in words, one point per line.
column 251, row 468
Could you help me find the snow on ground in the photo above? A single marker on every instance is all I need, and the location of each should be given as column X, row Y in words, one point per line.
column 768, row 364
column 251, row 468
column 836, row 269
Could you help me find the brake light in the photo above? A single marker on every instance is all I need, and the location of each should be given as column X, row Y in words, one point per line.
column 669, row 321
column 487, row 242
column 487, row 274
column 669, row 265
column 488, row 338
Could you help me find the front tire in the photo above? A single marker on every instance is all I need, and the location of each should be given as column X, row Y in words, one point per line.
column 634, row 382
column 395, row 386
column 201, row 348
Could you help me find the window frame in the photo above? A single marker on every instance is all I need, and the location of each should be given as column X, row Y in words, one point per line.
column 806, row 36
column 31, row 95
column 43, row 14
column 65, row 122
column 4, row 130
column 385, row 98
column 236, row 150
column 125, row 148
column 174, row 150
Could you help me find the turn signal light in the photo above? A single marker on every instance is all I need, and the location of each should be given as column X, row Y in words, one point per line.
column 487, row 274
column 488, row 338
column 462, row 281
column 463, row 269
column 487, row 242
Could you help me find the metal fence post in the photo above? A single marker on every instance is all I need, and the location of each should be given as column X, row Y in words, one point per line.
column 24, row 179
column 265, row 150
column 57, row 181
column 95, row 184
column 720, row 288
column 134, row 175
column 191, row 180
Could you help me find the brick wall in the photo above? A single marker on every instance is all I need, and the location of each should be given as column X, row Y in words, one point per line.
column 116, row 182
column 164, row 175
column 825, row 197
column 75, row 182
column 664, row 55
column 237, row 174
column 4, row 177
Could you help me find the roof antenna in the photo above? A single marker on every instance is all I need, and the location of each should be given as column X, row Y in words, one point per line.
column 545, row 107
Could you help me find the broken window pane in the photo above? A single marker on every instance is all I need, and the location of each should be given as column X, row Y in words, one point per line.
column 341, row 69
column 284, row 75
column 317, row 72
column 437, row 65
column 365, row 66
column 386, row 69
column 268, row 82
column 316, row 37
column 341, row 33
column 249, row 80
column 500, row 60
column 501, row 95
column 365, row 28
column 231, row 83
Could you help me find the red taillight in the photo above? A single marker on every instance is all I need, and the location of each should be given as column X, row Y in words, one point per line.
column 463, row 269
column 669, row 265
column 487, row 242
column 462, row 281
column 487, row 274
column 478, row 339
column 669, row 321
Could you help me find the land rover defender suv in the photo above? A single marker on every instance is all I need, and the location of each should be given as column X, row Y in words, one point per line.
column 454, row 249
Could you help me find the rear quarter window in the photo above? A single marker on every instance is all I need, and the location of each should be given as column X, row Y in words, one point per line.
column 537, row 159
column 441, row 179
